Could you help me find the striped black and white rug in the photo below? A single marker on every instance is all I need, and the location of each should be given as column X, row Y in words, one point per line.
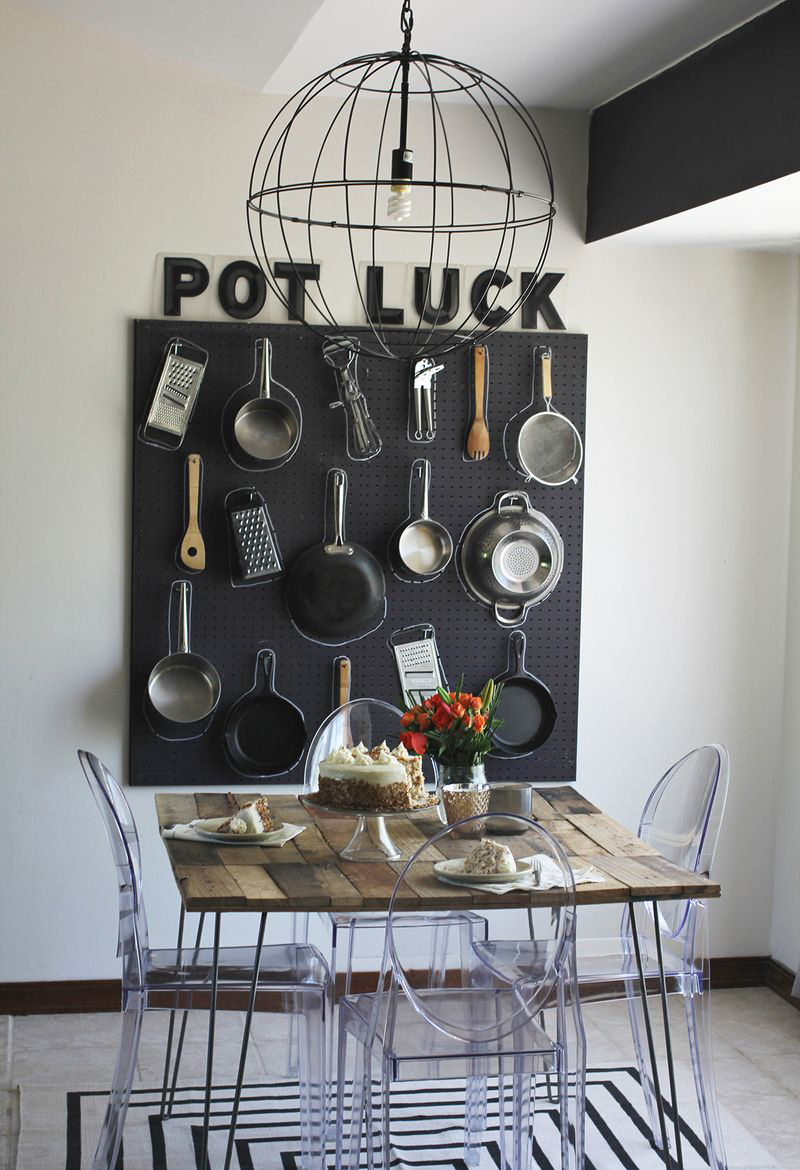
column 59, row 1128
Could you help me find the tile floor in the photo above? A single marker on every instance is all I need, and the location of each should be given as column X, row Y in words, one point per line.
column 757, row 1038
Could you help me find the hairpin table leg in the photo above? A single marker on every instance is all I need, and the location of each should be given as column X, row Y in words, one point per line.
column 662, row 1122
column 212, row 1020
column 251, row 1003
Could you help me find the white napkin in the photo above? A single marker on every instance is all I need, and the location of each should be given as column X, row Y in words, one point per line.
column 278, row 838
column 549, row 878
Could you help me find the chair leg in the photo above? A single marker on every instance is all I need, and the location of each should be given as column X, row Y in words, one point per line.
column 642, row 1063
column 521, row 1136
column 359, row 1108
column 313, row 1086
column 474, row 1118
column 167, row 1104
column 698, row 1020
column 105, row 1157
column 563, row 1113
column 299, row 935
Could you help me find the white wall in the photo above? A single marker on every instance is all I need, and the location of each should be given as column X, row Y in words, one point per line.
column 687, row 478
column 785, row 945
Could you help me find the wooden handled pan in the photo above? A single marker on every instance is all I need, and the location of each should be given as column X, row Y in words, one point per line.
column 526, row 706
column 264, row 733
column 336, row 591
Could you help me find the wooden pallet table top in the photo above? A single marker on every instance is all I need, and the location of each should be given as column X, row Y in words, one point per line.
column 307, row 874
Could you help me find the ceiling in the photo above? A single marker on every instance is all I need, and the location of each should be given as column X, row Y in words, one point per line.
column 765, row 217
column 570, row 54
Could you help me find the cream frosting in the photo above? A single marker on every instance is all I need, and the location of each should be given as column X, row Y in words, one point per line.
column 247, row 820
column 345, row 763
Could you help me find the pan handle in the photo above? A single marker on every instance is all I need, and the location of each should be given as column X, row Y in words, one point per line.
column 508, row 615
column 547, row 376
column 341, row 681
column 264, row 364
column 512, row 499
column 184, row 591
column 339, row 492
column 265, row 660
column 516, row 652
column 419, row 488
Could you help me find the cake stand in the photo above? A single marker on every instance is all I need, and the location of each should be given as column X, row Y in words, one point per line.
column 371, row 840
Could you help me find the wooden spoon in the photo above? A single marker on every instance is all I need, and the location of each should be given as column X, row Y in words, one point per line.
column 193, row 549
column 478, row 434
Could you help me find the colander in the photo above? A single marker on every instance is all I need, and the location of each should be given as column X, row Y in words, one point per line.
column 510, row 557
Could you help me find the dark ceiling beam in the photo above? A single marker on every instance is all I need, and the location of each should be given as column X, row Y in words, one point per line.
column 723, row 120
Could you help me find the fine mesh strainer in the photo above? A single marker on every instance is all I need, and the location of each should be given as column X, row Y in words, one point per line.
column 549, row 448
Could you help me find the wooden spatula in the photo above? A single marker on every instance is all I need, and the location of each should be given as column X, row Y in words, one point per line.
column 193, row 549
column 478, row 433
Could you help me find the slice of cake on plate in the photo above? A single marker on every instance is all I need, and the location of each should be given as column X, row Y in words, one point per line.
column 251, row 818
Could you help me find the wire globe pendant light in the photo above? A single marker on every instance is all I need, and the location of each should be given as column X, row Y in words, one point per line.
column 408, row 158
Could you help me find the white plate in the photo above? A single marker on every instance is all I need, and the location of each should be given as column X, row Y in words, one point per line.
column 208, row 829
column 454, row 868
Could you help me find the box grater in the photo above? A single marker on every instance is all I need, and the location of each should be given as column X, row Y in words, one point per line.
column 175, row 394
column 255, row 555
column 418, row 664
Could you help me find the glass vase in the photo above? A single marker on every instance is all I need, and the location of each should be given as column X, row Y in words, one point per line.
column 465, row 793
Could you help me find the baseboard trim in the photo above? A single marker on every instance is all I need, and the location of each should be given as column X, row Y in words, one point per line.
column 103, row 995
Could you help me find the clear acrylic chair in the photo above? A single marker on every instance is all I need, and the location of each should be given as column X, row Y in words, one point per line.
column 295, row 976
column 357, row 939
column 681, row 821
column 485, row 1023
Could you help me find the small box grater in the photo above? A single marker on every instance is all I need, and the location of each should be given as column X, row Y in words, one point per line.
column 418, row 664
column 175, row 394
column 255, row 555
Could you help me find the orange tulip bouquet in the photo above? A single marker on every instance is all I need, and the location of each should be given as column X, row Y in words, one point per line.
column 455, row 726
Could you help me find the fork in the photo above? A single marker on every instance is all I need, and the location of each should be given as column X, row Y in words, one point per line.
column 478, row 434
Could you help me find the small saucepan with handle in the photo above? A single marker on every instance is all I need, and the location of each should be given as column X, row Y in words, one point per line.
column 260, row 430
column 183, row 688
column 419, row 548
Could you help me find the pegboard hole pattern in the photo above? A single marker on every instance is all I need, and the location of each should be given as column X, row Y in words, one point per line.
column 230, row 625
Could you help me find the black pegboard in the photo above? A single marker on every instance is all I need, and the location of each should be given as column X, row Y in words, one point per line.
column 229, row 625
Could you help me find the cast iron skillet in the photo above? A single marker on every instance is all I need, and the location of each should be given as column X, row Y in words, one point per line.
column 337, row 591
column 264, row 734
column 526, row 706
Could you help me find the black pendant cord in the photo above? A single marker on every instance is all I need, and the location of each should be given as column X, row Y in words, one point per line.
column 401, row 168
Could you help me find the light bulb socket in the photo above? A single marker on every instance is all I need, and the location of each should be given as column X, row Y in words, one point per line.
column 402, row 165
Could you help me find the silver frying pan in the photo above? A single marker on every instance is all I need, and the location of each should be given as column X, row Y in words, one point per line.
column 549, row 448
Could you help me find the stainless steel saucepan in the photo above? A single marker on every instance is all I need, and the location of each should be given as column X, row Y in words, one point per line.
column 510, row 557
column 183, row 689
column 420, row 548
column 266, row 427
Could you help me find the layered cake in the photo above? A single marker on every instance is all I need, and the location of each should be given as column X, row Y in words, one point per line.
column 253, row 817
column 375, row 780
column 490, row 857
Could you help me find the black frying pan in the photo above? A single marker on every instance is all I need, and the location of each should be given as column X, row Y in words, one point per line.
column 336, row 591
column 526, row 706
column 264, row 734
